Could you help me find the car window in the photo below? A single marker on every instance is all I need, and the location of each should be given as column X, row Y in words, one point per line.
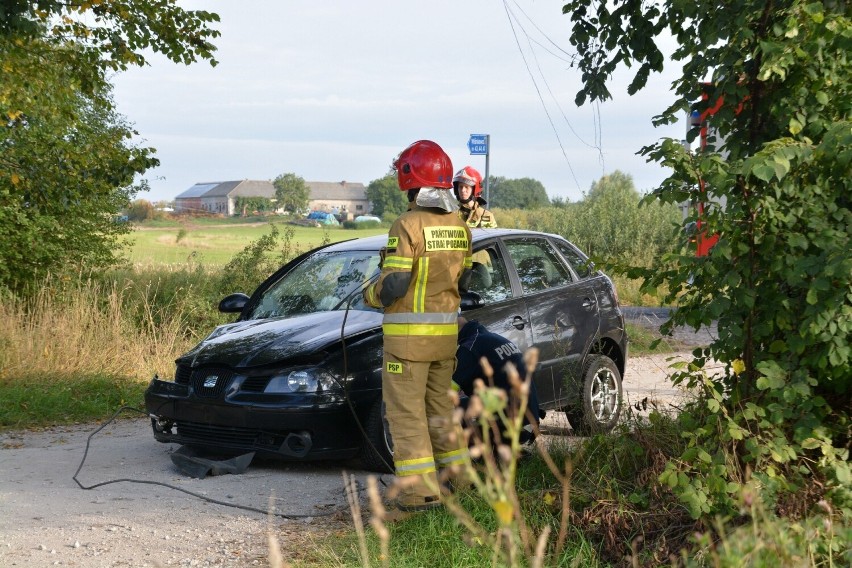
column 324, row 281
column 489, row 278
column 578, row 262
column 539, row 266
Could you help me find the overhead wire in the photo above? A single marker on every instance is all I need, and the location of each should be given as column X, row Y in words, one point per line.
column 513, row 21
column 545, row 48
column 596, row 106
column 571, row 56
column 558, row 106
column 538, row 91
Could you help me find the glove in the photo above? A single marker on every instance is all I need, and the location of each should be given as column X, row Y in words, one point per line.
column 383, row 252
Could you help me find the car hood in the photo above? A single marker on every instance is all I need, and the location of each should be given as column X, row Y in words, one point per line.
column 267, row 341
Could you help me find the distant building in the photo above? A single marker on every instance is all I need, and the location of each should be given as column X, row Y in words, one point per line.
column 221, row 196
column 341, row 198
column 190, row 200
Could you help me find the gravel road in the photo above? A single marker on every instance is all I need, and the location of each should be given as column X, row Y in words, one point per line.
column 46, row 519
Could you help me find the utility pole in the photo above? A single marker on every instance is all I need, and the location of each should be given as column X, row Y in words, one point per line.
column 487, row 159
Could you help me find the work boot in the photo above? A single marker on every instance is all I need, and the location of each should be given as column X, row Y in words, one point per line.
column 453, row 480
column 396, row 516
column 414, row 503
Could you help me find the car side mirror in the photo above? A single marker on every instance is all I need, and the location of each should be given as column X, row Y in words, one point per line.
column 471, row 300
column 233, row 303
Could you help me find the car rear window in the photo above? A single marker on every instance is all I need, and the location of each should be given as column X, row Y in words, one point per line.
column 539, row 266
column 578, row 262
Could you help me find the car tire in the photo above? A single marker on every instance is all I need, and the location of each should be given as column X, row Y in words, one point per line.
column 601, row 398
column 377, row 451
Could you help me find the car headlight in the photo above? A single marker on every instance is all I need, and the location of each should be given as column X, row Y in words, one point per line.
column 311, row 379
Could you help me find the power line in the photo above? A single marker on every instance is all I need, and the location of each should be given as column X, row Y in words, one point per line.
column 571, row 56
column 558, row 106
column 538, row 91
column 596, row 105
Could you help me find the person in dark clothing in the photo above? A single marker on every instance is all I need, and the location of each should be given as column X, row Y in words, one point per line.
column 476, row 342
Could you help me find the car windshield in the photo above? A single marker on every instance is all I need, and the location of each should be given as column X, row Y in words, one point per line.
column 325, row 281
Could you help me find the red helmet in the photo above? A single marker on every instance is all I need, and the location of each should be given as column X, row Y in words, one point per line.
column 423, row 164
column 468, row 176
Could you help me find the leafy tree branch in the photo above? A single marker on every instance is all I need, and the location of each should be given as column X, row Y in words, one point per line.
column 775, row 183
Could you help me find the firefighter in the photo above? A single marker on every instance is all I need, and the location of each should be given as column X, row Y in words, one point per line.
column 428, row 250
column 467, row 184
column 476, row 342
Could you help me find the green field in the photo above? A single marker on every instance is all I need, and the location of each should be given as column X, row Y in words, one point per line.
column 214, row 243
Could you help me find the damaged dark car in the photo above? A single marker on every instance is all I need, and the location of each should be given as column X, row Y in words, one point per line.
column 298, row 374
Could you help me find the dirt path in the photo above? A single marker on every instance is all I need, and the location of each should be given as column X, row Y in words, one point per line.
column 46, row 519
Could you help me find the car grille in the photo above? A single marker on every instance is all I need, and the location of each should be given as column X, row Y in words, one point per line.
column 182, row 374
column 255, row 384
column 210, row 383
column 218, row 434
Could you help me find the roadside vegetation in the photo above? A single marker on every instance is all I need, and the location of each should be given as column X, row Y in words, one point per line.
column 754, row 471
column 214, row 242
column 87, row 344
column 601, row 501
column 128, row 323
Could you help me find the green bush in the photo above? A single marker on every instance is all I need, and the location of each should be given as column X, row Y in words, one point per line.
column 361, row 225
column 192, row 291
column 774, row 177
column 140, row 210
column 610, row 224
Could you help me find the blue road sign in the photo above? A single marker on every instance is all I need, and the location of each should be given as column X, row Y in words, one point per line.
column 478, row 144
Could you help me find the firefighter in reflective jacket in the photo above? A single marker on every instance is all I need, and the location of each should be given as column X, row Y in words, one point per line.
column 428, row 250
column 467, row 185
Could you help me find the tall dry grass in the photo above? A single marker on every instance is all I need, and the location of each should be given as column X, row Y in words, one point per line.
column 83, row 328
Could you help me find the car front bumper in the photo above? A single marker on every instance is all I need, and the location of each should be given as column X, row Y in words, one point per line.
column 323, row 430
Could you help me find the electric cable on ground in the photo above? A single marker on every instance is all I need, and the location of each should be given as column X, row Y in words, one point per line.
column 163, row 484
column 345, row 384
column 345, row 388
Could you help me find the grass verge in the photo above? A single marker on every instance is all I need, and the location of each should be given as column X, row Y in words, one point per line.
column 36, row 401
column 642, row 338
column 215, row 243
column 609, row 509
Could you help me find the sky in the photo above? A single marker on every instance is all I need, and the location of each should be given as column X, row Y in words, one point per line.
column 334, row 90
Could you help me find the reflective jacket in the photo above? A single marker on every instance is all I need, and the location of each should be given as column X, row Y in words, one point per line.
column 427, row 252
column 478, row 216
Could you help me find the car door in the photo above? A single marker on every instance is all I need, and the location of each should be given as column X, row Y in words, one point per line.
column 504, row 311
column 563, row 314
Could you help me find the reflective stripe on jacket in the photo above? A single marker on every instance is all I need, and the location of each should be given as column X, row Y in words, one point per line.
column 432, row 248
column 478, row 217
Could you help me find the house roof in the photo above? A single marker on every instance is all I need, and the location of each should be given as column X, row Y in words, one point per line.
column 237, row 188
column 198, row 190
column 336, row 190
column 254, row 188
column 244, row 188
column 223, row 188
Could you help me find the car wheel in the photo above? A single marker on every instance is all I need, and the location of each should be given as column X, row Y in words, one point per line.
column 601, row 398
column 377, row 451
